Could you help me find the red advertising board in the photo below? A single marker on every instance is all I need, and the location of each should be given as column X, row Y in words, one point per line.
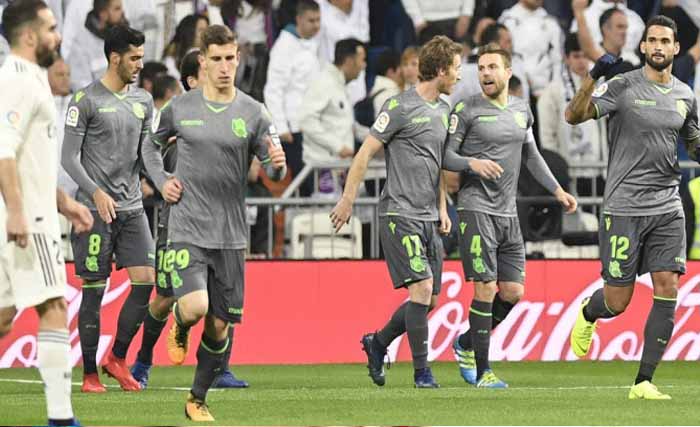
column 299, row 312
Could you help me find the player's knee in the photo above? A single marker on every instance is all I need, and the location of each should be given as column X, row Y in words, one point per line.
column 511, row 294
column 421, row 292
column 161, row 305
column 194, row 308
column 5, row 326
column 52, row 307
column 485, row 291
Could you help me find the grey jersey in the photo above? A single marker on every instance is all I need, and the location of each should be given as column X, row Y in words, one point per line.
column 215, row 144
column 413, row 132
column 483, row 130
column 646, row 119
column 107, row 129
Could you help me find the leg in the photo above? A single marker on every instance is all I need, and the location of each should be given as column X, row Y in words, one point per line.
column 53, row 359
column 153, row 324
column 480, row 324
column 227, row 379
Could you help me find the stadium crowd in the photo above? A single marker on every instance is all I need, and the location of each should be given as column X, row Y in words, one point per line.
column 322, row 105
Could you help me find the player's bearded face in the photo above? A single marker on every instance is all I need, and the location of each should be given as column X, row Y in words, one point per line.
column 130, row 64
column 452, row 76
column 659, row 47
column 493, row 75
column 48, row 39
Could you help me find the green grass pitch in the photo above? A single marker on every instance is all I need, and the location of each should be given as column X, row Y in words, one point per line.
column 583, row 393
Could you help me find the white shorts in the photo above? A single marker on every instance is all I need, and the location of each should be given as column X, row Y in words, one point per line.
column 33, row 275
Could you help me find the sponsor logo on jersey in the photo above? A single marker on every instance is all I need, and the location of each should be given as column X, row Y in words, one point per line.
column 72, row 116
column 488, row 118
column 382, row 122
column 419, row 120
column 645, row 102
column 190, row 123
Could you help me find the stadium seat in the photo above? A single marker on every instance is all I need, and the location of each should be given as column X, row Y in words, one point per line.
column 313, row 237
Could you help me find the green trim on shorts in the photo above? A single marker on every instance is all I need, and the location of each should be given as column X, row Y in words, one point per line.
column 664, row 299
column 92, row 285
column 479, row 313
column 142, row 283
column 223, row 349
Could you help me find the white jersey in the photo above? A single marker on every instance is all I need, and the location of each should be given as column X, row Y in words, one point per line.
column 28, row 134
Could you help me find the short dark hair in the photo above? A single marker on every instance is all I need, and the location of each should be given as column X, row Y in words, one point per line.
column 218, row 35
column 345, row 49
column 661, row 21
column 571, row 44
column 120, row 38
column 491, row 33
column 437, row 54
column 605, row 16
column 150, row 70
column 388, row 60
column 18, row 14
column 189, row 67
column 304, row 6
column 494, row 48
column 100, row 5
column 162, row 83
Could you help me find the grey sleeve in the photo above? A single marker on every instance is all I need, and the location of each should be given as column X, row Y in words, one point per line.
column 150, row 148
column 77, row 122
column 690, row 132
column 452, row 160
column 70, row 160
column 537, row 166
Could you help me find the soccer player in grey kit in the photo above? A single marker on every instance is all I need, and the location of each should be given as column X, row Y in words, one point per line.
column 643, row 226
column 412, row 128
column 106, row 124
column 218, row 130
column 492, row 130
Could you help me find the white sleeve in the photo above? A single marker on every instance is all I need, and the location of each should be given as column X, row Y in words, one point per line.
column 467, row 8
column 413, row 10
column 279, row 74
column 16, row 110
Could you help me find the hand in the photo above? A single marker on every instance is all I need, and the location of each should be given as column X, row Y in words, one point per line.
column 78, row 214
column 603, row 65
column 566, row 200
column 487, row 169
column 17, row 228
column 146, row 190
column 340, row 215
column 445, row 223
column 276, row 153
column 461, row 27
column 346, row 152
column 172, row 190
column 106, row 206
column 287, row 137
column 579, row 5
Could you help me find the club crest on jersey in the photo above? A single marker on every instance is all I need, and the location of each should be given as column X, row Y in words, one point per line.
column 72, row 116
column 682, row 108
column 520, row 120
column 454, row 121
column 600, row 90
column 382, row 122
column 139, row 112
column 238, row 128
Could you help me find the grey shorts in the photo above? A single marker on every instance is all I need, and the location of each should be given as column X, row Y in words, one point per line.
column 164, row 284
column 491, row 247
column 413, row 251
column 632, row 245
column 127, row 239
column 221, row 272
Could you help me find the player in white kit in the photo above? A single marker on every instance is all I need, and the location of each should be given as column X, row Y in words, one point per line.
column 32, row 273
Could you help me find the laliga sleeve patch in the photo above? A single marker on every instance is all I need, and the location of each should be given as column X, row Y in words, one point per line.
column 72, row 116
column 454, row 121
column 382, row 122
column 600, row 90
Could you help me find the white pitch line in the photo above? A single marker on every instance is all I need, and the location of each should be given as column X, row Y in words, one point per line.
column 19, row 381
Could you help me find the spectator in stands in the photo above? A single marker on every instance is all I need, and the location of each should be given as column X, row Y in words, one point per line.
column 538, row 40
column 191, row 73
column 344, row 19
column 165, row 88
column 447, row 17
column 149, row 72
column 293, row 64
column 59, row 80
column 593, row 18
column 614, row 27
column 188, row 36
column 388, row 79
column 585, row 142
column 87, row 59
column 252, row 21
column 409, row 68
column 326, row 117
column 469, row 82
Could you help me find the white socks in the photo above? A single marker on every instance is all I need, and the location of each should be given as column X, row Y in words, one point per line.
column 54, row 367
